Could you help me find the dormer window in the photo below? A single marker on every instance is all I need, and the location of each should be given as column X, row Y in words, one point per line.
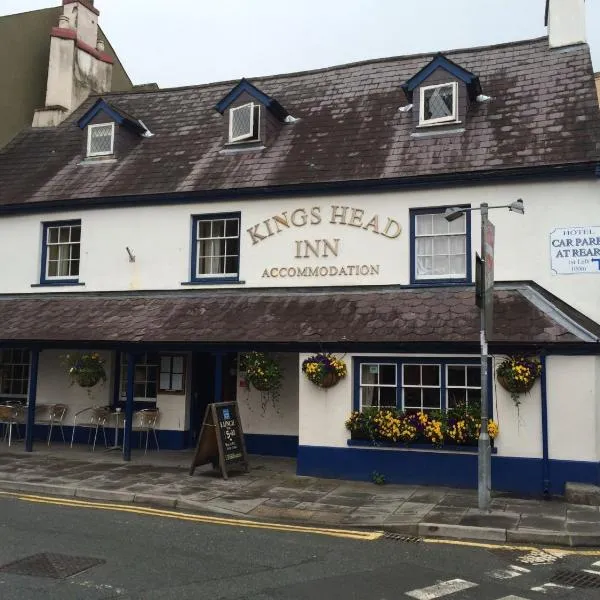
column 101, row 139
column 244, row 123
column 439, row 104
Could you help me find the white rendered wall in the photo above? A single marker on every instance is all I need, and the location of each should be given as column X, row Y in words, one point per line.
column 273, row 420
column 573, row 398
column 159, row 236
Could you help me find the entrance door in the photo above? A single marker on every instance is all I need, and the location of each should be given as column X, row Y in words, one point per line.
column 203, row 387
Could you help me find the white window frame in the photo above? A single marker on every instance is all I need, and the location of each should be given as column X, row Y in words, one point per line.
column 377, row 385
column 422, row 387
column 91, row 128
column 465, row 387
column 453, row 118
column 145, row 361
column 254, row 115
column 221, row 239
column 69, row 244
column 465, row 234
column 169, row 371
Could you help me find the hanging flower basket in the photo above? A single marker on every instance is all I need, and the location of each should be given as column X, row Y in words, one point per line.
column 324, row 370
column 518, row 374
column 264, row 373
column 85, row 369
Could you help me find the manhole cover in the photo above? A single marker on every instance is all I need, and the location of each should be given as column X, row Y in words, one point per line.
column 576, row 579
column 398, row 537
column 55, row 566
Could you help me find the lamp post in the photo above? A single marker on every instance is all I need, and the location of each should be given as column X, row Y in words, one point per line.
column 486, row 289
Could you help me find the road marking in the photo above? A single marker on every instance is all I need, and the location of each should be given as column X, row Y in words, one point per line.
column 596, row 564
column 541, row 557
column 551, row 587
column 510, row 573
column 512, row 598
column 591, row 571
column 444, row 588
column 68, row 502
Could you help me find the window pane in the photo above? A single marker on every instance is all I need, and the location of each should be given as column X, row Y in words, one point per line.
column 76, row 233
column 459, row 225
column 424, row 246
column 203, row 229
column 431, row 398
column 474, row 398
column 369, row 374
column 387, row 396
column 456, row 376
column 456, row 397
column 165, row 364
column 232, row 228
column 218, row 228
column 178, row 364
column 52, row 235
column 412, row 397
column 424, row 266
column 431, row 374
column 423, row 224
column 441, row 265
column 368, row 396
column 165, row 381
column 474, row 376
column 74, row 270
column 438, row 102
column 177, row 383
column 387, row 374
column 231, row 264
column 440, row 245
column 440, row 224
column 64, row 235
column 457, row 265
column 457, row 244
column 412, row 375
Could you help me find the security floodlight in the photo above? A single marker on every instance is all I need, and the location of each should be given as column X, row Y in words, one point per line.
column 454, row 213
column 517, row 206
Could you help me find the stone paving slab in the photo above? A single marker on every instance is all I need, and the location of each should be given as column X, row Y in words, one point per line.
column 272, row 491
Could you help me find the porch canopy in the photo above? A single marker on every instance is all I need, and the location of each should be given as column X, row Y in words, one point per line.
column 297, row 319
column 381, row 319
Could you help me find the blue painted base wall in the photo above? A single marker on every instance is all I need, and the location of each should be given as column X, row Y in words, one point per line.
column 272, row 445
column 519, row 475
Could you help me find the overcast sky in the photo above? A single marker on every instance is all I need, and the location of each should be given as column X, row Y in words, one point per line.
column 183, row 42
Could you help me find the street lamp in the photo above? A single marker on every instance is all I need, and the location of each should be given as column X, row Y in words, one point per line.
column 486, row 280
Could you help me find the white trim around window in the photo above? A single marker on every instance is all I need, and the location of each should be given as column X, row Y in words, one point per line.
column 431, row 89
column 110, row 129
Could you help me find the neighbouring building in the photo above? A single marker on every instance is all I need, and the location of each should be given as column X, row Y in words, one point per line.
column 33, row 47
column 170, row 231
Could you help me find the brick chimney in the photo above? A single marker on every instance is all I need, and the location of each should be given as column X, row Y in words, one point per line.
column 565, row 20
column 78, row 64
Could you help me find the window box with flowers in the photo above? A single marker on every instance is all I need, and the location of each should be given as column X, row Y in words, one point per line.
column 458, row 429
column 324, row 370
column 85, row 369
column 517, row 375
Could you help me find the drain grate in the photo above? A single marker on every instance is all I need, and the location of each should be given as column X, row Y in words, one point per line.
column 54, row 566
column 576, row 579
column 398, row 537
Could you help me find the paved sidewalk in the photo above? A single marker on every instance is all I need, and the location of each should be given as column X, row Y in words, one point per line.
column 272, row 491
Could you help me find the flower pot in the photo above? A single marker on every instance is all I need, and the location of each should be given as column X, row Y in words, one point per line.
column 329, row 380
column 515, row 387
column 261, row 386
column 88, row 379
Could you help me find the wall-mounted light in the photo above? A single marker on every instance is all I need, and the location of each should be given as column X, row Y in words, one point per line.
column 131, row 254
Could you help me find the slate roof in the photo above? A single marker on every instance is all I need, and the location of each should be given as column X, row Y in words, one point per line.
column 544, row 112
column 347, row 317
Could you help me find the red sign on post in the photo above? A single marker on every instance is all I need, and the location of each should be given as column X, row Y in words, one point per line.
column 489, row 235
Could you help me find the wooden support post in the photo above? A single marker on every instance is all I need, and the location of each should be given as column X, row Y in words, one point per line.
column 32, row 396
column 129, row 406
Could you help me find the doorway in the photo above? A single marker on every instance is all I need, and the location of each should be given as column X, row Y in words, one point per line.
column 202, row 387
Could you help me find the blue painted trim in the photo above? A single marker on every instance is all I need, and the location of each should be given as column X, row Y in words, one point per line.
column 440, row 468
column 112, row 112
column 215, row 282
column 56, row 282
column 545, row 451
column 33, row 381
column 244, row 86
column 272, row 445
column 131, row 358
column 413, row 212
column 310, row 189
column 399, row 361
column 415, row 446
column 441, row 62
column 195, row 279
column 116, row 391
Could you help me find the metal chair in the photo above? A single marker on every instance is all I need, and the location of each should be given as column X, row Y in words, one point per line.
column 92, row 418
column 146, row 420
column 9, row 416
column 55, row 416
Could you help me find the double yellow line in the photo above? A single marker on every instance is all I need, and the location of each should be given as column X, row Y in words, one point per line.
column 182, row 516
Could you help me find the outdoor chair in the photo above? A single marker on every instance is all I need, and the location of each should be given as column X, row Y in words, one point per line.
column 91, row 418
column 55, row 416
column 9, row 416
column 146, row 420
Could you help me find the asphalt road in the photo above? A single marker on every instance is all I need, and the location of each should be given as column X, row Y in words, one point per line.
column 152, row 556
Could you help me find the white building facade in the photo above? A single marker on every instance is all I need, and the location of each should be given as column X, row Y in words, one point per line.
column 173, row 241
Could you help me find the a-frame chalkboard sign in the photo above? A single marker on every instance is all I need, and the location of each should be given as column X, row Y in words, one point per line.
column 221, row 440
